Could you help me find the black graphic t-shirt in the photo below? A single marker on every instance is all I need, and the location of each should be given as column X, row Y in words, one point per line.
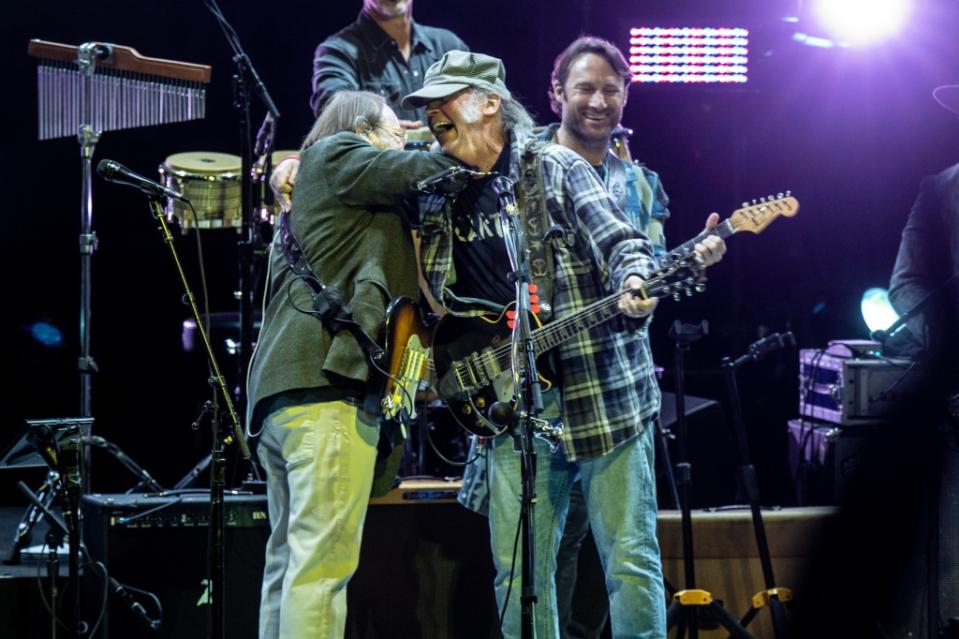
column 479, row 253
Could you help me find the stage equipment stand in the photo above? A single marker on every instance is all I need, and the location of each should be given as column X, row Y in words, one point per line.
column 773, row 596
column 59, row 443
column 93, row 88
column 58, row 529
column 218, row 457
column 687, row 605
column 527, row 391
column 244, row 79
column 47, row 444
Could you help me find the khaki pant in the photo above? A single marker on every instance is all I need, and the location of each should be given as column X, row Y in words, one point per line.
column 319, row 461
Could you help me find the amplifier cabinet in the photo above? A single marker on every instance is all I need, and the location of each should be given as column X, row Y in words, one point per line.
column 850, row 390
column 160, row 544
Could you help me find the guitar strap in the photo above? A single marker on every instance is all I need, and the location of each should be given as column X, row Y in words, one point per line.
column 531, row 200
column 328, row 306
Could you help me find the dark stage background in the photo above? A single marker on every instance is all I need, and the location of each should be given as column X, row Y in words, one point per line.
column 850, row 132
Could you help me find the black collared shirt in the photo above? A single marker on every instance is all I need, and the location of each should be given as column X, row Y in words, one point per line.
column 362, row 56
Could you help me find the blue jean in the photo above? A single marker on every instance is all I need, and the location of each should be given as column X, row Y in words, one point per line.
column 620, row 493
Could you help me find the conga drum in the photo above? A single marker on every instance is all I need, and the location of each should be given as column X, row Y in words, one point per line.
column 211, row 181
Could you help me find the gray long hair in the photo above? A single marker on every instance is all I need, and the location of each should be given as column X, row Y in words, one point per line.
column 515, row 116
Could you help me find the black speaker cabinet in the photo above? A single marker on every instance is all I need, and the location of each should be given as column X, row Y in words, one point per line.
column 425, row 566
column 160, row 544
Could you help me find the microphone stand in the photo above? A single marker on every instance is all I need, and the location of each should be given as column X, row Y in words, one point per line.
column 244, row 78
column 773, row 596
column 684, row 609
column 529, row 397
column 218, row 458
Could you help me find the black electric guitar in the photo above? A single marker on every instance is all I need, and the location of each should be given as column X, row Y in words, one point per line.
column 471, row 355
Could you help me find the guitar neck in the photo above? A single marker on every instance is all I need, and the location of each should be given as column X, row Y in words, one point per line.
column 555, row 333
column 723, row 230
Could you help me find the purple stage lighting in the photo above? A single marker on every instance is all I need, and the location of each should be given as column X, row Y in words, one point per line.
column 688, row 55
column 862, row 21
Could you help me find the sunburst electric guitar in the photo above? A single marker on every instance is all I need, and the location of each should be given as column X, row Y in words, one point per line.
column 471, row 355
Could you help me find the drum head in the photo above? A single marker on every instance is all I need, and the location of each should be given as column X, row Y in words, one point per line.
column 204, row 162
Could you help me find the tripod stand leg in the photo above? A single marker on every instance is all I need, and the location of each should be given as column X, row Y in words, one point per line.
column 729, row 622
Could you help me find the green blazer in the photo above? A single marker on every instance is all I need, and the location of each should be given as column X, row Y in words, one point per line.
column 345, row 218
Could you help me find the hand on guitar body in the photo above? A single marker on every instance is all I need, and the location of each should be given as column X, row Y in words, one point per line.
column 636, row 304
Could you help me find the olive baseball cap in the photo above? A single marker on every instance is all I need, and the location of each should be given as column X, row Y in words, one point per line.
column 457, row 70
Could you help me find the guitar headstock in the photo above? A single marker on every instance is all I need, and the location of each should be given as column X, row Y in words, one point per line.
column 679, row 274
column 759, row 214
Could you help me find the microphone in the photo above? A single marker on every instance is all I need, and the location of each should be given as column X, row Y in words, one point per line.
column 115, row 172
column 450, row 181
column 759, row 349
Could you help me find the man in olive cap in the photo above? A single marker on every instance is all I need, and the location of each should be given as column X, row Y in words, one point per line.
column 604, row 391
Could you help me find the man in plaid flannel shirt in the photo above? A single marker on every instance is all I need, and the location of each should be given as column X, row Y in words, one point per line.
column 606, row 394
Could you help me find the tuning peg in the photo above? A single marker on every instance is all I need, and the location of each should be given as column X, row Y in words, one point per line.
column 676, row 297
column 700, row 287
column 745, row 204
column 754, row 201
column 779, row 195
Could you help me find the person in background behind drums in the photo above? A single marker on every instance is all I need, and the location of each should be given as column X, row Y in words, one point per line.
column 385, row 52
column 308, row 381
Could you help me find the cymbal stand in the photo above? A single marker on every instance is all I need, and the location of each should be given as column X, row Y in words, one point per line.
column 687, row 604
column 773, row 595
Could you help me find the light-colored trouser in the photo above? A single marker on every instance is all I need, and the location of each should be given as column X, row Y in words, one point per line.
column 620, row 493
column 319, row 461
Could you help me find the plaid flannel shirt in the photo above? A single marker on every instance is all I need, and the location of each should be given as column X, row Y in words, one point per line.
column 606, row 377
